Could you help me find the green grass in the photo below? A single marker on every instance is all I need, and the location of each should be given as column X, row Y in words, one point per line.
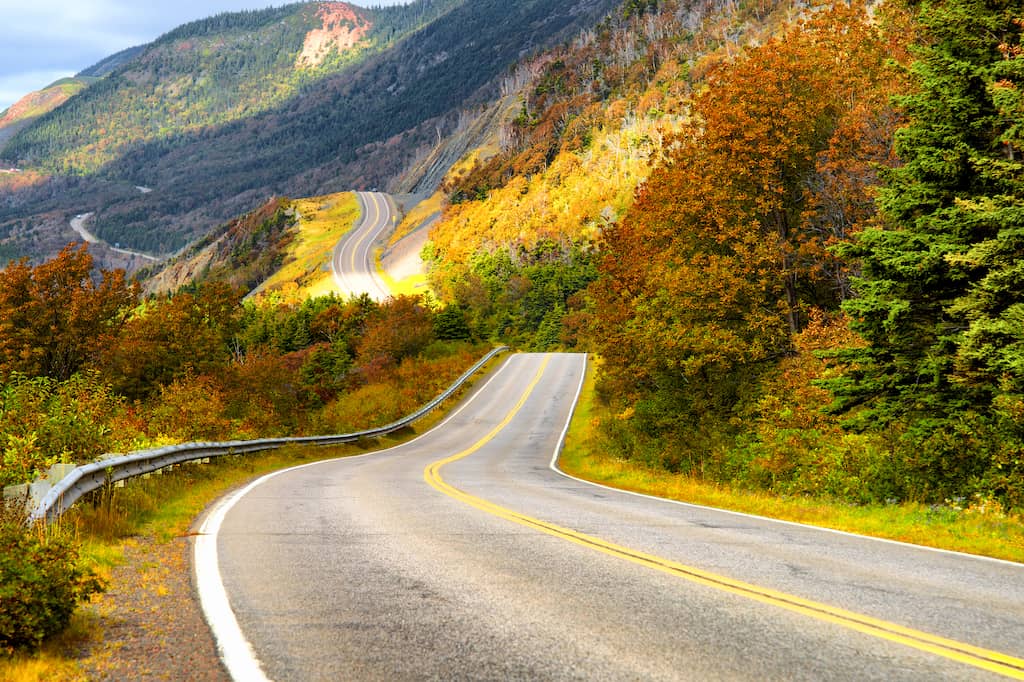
column 979, row 530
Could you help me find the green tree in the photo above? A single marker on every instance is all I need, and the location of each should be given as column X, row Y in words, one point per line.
column 939, row 299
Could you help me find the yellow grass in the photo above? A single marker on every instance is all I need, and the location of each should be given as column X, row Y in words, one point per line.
column 306, row 272
column 986, row 532
column 409, row 286
column 415, row 217
column 53, row 663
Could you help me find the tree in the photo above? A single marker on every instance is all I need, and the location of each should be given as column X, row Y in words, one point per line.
column 399, row 328
column 712, row 272
column 55, row 314
column 940, row 298
column 171, row 338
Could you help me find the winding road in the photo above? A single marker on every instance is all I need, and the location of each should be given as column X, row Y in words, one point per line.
column 465, row 554
column 353, row 264
column 78, row 225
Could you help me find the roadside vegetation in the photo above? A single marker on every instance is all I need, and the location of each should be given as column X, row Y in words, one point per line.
column 269, row 375
column 89, row 367
column 792, row 238
column 973, row 526
column 96, row 537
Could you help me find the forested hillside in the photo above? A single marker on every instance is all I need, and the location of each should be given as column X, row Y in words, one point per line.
column 35, row 104
column 596, row 118
column 789, row 234
column 219, row 115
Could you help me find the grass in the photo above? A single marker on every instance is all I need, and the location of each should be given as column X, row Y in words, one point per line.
column 981, row 531
column 413, row 220
column 53, row 663
column 306, row 272
column 409, row 286
column 419, row 213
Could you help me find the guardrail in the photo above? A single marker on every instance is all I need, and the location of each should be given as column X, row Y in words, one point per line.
column 89, row 477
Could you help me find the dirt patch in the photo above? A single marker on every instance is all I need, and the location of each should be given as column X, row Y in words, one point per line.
column 342, row 30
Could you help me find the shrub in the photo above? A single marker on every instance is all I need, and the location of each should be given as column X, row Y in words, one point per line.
column 44, row 421
column 191, row 408
column 42, row 580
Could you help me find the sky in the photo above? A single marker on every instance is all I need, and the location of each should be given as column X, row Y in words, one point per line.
column 44, row 40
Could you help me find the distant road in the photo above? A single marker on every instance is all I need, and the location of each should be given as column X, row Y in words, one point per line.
column 78, row 225
column 464, row 555
column 353, row 264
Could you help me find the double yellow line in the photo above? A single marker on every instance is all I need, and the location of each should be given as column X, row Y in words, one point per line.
column 985, row 659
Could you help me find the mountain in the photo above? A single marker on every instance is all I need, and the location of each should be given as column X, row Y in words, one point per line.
column 107, row 65
column 25, row 111
column 217, row 116
column 35, row 104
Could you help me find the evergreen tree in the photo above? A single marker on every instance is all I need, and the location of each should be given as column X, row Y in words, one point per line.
column 939, row 299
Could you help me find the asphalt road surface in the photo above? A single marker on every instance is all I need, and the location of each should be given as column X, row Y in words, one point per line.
column 353, row 264
column 464, row 555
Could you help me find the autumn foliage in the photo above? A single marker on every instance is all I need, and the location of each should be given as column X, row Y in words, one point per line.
column 55, row 314
column 726, row 251
column 90, row 368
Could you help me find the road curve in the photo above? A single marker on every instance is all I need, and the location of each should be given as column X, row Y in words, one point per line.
column 465, row 555
column 353, row 264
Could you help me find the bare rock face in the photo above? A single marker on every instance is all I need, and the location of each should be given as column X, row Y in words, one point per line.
column 343, row 28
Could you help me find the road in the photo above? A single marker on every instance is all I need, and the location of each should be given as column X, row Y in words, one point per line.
column 78, row 225
column 353, row 264
column 465, row 555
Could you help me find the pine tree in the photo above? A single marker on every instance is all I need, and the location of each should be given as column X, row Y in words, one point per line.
column 939, row 300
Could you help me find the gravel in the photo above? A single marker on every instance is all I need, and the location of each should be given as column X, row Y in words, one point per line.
column 151, row 623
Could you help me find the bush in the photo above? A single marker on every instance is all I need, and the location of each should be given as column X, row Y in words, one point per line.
column 42, row 580
column 44, row 421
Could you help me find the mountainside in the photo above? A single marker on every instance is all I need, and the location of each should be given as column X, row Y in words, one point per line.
column 306, row 99
column 22, row 113
column 243, row 252
column 107, row 65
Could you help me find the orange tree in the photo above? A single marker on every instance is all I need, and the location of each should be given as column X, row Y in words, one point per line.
column 726, row 250
column 55, row 314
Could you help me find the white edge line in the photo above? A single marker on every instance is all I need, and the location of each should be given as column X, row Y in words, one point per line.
column 565, row 432
column 235, row 650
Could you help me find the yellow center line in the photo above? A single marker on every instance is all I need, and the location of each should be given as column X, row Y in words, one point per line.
column 366, row 235
column 985, row 659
